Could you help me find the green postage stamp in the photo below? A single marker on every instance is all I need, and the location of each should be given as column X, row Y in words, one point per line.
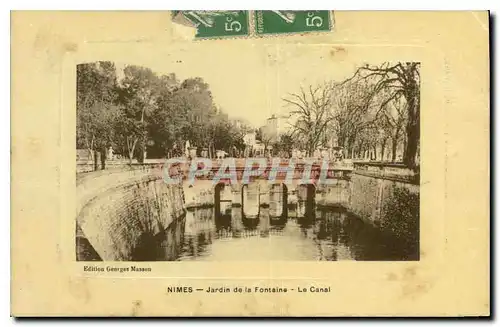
column 227, row 23
column 214, row 23
column 288, row 21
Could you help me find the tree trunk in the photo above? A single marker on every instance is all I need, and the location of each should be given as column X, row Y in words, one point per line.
column 130, row 158
column 96, row 160
column 131, row 149
column 362, row 149
column 382, row 150
column 309, row 149
column 103, row 158
column 411, row 148
column 142, row 151
column 90, row 148
column 350, row 144
column 412, row 127
column 359, row 151
column 394, row 148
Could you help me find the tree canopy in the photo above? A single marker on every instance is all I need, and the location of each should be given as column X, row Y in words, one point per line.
column 146, row 112
column 375, row 113
column 375, row 107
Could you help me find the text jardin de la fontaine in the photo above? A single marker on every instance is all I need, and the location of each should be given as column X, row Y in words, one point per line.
column 256, row 289
column 210, row 289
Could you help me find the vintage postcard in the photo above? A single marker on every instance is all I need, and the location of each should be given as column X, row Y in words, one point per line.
column 250, row 163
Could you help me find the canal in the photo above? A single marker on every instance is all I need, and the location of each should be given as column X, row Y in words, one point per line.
column 328, row 234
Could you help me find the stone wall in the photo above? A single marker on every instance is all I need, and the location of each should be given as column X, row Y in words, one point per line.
column 199, row 194
column 335, row 194
column 392, row 205
column 370, row 195
column 123, row 215
column 365, row 196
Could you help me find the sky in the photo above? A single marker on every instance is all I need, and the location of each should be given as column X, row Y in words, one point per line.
column 248, row 80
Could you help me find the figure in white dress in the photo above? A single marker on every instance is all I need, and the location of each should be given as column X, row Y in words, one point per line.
column 110, row 153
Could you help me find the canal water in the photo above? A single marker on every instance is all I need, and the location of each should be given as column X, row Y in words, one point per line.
column 327, row 234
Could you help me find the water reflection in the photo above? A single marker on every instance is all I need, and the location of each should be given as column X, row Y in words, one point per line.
column 278, row 201
column 327, row 234
column 251, row 197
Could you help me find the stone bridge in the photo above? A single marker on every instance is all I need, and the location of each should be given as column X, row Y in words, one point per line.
column 278, row 183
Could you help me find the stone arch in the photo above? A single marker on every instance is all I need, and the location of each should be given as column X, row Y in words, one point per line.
column 284, row 200
column 244, row 205
column 309, row 198
column 217, row 196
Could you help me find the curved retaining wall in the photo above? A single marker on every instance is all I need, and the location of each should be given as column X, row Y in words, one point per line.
column 123, row 215
column 372, row 195
column 391, row 204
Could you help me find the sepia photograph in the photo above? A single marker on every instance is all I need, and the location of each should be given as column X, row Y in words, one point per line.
column 168, row 170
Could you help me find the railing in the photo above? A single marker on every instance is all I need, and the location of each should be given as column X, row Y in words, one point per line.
column 386, row 170
column 85, row 166
column 240, row 163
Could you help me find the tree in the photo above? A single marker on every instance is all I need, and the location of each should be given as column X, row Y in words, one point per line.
column 146, row 111
column 138, row 96
column 285, row 144
column 384, row 134
column 312, row 111
column 352, row 114
column 267, row 136
column 258, row 134
column 167, row 121
column 96, row 108
column 399, row 79
column 240, row 129
column 193, row 100
column 393, row 117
